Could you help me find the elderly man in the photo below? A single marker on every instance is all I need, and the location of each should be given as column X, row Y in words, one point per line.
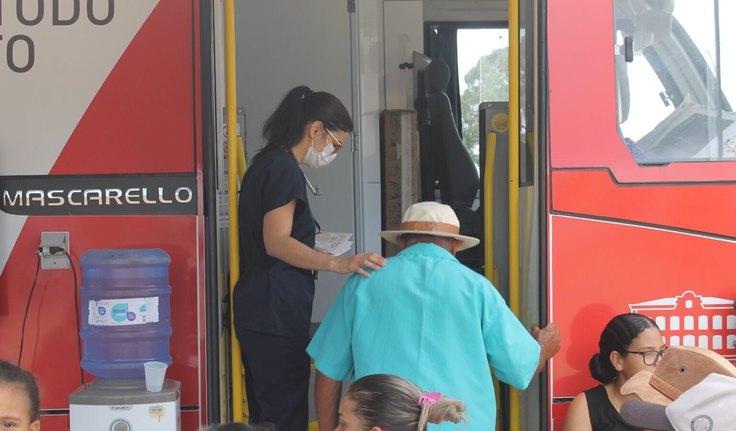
column 430, row 319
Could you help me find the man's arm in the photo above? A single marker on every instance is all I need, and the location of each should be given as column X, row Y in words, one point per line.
column 326, row 401
column 549, row 340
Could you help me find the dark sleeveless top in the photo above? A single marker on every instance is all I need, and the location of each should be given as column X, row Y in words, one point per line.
column 603, row 415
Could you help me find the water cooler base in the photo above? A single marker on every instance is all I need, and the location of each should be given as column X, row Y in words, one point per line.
column 124, row 405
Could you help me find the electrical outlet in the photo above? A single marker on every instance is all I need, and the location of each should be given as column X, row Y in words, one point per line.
column 50, row 257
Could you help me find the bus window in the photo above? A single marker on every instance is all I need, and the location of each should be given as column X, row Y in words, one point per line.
column 676, row 79
column 483, row 69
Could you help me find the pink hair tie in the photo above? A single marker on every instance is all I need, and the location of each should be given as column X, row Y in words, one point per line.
column 427, row 398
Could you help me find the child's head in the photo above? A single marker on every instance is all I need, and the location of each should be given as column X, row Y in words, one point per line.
column 382, row 402
column 19, row 402
column 236, row 426
column 629, row 343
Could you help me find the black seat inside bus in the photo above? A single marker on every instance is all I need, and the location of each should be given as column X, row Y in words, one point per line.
column 456, row 173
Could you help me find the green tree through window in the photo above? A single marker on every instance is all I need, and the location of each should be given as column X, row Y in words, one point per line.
column 487, row 81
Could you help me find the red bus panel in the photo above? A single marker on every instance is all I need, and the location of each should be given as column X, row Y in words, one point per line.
column 657, row 239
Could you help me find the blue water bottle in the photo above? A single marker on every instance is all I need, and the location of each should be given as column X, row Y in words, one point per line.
column 125, row 311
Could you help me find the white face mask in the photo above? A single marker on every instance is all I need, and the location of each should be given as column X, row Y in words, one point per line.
column 313, row 159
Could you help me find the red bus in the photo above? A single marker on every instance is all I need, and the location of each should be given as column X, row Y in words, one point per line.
column 642, row 175
column 613, row 193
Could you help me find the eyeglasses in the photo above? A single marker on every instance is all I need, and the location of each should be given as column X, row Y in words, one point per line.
column 650, row 357
column 336, row 142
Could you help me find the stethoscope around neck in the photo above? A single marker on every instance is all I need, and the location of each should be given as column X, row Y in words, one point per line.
column 315, row 190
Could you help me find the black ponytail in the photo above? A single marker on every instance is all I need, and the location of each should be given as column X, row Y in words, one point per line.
column 616, row 336
column 602, row 369
column 285, row 127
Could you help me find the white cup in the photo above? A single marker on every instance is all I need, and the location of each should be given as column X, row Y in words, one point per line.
column 155, row 373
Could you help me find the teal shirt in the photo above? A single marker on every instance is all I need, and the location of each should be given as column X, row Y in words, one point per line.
column 430, row 319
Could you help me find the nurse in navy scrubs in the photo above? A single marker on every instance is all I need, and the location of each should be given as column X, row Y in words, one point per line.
column 273, row 298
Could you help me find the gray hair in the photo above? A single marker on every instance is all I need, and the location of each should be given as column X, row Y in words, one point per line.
column 414, row 238
column 392, row 403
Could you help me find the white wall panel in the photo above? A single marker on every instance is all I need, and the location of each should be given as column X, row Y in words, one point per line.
column 281, row 44
column 402, row 34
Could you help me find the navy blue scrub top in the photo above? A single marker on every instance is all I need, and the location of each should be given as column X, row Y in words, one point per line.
column 272, row 296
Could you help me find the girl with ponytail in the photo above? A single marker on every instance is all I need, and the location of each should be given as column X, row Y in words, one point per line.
column 272, row 302
column 385, row 402
column 629, row 343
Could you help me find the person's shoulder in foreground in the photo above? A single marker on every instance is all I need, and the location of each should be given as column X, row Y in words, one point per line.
column 386, row 402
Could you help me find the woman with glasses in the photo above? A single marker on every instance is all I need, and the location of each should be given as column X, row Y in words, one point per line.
column 629, row 343
column 278, row 262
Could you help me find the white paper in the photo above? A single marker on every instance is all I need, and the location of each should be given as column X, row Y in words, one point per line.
column 333, row 243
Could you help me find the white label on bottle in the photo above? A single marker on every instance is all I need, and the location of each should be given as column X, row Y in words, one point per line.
column 121, row 312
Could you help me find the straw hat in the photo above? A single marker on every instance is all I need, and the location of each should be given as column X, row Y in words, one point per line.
column 430, row 218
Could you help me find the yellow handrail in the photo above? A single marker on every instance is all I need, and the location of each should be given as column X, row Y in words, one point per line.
column 236, row 371
column 489, row 267
column 528, row 218
column 514, row 127
column 242, row 165
column 488, row 260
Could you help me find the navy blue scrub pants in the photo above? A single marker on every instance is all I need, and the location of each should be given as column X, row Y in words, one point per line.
column 277, row 372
